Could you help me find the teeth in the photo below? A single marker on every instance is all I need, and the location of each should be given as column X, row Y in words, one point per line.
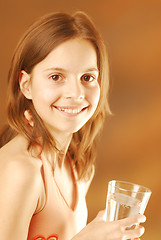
column 69, row 110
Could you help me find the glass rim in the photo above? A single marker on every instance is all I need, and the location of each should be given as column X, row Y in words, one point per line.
column 146, row 190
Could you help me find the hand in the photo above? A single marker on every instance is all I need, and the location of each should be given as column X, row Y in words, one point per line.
column 116, row 230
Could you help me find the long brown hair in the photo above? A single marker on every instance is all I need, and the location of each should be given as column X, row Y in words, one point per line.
column 40, row 39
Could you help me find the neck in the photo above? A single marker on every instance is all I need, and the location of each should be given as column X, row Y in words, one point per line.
column 58, row 157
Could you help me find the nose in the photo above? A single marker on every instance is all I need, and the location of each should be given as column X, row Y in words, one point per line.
column 74, row 89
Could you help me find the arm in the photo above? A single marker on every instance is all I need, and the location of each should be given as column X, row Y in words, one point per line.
column 19, row 197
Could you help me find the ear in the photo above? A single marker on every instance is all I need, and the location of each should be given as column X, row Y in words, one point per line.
column 25, row 84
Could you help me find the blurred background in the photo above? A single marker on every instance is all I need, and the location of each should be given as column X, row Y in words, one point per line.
column 130, row 145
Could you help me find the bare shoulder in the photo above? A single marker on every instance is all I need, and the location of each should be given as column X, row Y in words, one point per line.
column 20, row 184
column 16, row 161
column 18, row 169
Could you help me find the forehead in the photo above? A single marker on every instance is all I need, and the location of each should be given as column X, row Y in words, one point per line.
column 74, row 55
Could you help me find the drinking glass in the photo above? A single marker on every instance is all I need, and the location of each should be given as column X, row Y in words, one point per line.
column 125, row 199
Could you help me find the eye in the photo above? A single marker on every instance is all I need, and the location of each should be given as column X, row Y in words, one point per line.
column 88, row 78
column 56, row 77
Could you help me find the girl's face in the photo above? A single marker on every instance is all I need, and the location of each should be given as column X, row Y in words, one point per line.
column 64, row 86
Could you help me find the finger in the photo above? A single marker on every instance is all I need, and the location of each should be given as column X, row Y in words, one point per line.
column 135, row 233
column 133, row 220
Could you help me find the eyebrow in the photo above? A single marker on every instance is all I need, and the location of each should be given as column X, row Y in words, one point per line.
column 92, row 69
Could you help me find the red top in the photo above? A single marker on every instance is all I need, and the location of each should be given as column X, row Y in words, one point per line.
column 57, row 220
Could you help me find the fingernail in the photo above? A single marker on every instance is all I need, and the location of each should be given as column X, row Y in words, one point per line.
column 142, row 230
column 143, row 219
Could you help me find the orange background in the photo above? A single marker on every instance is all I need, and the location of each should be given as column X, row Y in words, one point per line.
column 130, row 145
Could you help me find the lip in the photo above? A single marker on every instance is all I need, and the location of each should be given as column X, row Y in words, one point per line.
column 70, row 110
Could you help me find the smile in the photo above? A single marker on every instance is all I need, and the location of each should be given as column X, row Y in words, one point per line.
column 70, row 110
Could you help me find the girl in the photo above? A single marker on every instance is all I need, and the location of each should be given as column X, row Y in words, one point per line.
column 57, row 102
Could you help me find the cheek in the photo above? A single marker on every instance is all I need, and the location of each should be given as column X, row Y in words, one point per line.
column 95, row 96
column 45, row 95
